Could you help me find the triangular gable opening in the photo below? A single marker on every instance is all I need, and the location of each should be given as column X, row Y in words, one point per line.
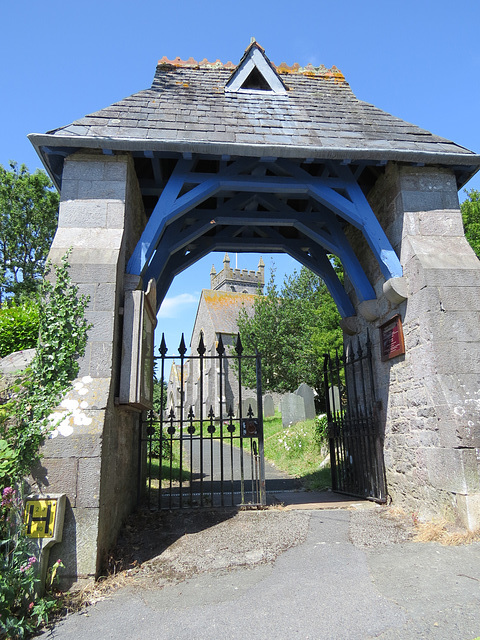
column 255, row 73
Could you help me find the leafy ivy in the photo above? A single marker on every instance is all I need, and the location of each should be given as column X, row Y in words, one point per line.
column 25, row 407
column 62, row 340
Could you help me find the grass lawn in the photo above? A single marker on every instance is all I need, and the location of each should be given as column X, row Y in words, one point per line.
column 296, row 451
column 154, row 463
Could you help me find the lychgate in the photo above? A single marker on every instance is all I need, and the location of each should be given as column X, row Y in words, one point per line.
column 258, row 157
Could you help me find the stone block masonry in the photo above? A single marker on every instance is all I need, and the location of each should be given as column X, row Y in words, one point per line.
column 429, row 398
column 92, row 455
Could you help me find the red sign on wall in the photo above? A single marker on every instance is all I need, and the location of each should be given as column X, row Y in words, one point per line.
column 391, row 338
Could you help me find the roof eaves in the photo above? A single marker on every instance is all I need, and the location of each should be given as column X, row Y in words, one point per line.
column 463, row 157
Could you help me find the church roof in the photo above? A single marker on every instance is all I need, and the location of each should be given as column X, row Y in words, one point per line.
column 220, row 108
column 224, row 306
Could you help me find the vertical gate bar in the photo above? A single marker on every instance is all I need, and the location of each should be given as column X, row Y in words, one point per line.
column 221, row 351
column 370, row 465
column 171, row 431
column 149, row 449
column 239, row 350
column 181, row 350
column 373, row 430
column 331, row 434
column 163, row 352
column 140, row 479
column 352, row 412
column 231, row 429
column 357, row 372
column 252, row 476
column 369, row 480
column 378, row 444
column 261, row 452
column 211, row 430
column 201, row 352
column 191, row 430
column 340, row 423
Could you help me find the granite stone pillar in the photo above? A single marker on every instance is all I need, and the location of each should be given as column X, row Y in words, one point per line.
column 429, row 399
column 93, row 454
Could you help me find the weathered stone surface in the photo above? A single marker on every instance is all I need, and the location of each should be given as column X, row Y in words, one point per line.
column 56, row 475
column 17, row 361
column 78, row 549
column 308, row 395
column 93, row 456
column 430, row 399
column 292, row 408
column 454, row 470
column 396, row 290
column 88, row 487
column 268, row 406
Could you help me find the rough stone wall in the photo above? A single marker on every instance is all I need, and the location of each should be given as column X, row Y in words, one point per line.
column 429, row 398
column 93, row 455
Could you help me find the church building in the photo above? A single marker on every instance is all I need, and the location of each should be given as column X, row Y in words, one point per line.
column 217, row 317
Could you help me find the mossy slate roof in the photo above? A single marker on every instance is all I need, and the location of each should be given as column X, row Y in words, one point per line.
column 224, row 306
column 187, row 105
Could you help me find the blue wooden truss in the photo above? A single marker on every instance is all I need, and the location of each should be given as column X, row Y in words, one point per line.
column 260, row 205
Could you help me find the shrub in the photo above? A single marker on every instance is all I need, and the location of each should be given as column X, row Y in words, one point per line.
column 18, row 327
column 24, row 424
column 321, row 429
column 21, row 610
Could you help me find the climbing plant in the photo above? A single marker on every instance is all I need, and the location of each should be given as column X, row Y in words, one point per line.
column 26, row 406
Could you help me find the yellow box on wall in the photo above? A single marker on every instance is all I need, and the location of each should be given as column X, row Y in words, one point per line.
column 40, row 518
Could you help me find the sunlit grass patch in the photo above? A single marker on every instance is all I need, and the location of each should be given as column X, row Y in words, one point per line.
column 170, row 469
column 298, row 451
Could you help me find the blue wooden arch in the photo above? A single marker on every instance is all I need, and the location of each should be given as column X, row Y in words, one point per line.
column 261, row 205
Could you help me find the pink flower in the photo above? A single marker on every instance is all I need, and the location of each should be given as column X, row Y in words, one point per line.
column 25, row 567
column 7, row 496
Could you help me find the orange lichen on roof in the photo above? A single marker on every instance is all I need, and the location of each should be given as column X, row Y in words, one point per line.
column 312, row 71
column 191, row 63
column 226, row 299
column 295, row 69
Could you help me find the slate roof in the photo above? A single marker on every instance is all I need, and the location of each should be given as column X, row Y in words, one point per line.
column 224, row 306
column 187, row 108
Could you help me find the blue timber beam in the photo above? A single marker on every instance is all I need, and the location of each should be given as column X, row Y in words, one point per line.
column 232, row 239
column 330, row 238
column 242, row 190
column 171, row 205
column 355, row 209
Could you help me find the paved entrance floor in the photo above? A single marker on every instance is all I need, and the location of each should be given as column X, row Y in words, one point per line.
column 352, row 573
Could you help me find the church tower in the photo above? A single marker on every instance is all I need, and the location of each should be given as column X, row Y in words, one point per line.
column 237, row 280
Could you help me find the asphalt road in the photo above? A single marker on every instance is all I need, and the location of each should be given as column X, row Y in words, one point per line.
column 349, row 575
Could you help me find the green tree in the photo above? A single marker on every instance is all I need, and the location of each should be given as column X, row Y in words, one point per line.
column 292, row 328
column 471, row 219
column 28, row 219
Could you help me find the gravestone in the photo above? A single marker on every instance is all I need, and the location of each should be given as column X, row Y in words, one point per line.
column 249, row 402
column 334, row 399
column 307, row 393
column 292, row 408
column 268, row 407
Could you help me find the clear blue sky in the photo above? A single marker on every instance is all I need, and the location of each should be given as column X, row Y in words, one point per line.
column 418, row 60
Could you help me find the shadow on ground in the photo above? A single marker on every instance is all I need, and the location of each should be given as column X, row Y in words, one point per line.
column 146, row 534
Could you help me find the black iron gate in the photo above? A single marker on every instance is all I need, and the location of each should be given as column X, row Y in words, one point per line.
column 204, row 450
column 356, row 444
